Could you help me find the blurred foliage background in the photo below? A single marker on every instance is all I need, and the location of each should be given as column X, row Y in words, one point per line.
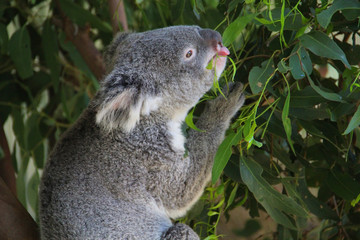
column 293, row 152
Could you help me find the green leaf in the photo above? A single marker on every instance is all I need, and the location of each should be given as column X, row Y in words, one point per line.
column 309, row 127
column 223, row 154
column 20, row 52
column 324, row 17
column 351, row 14
column 327, row 95
column 232, row 196
column 314, row 205
column 355, row 201
column 77, row 58
column 39, row 155
column 300, row 63
column 305, row 98
column 354, row 122
column 189, row 121
column 320, row 44
column 275, row 203
column 4, row 39
column 2, row 154
column 212, row 213
column 51, row 50
column 235, row 28
column 282, row 67
column 81, row 16
column 308, row 114
column 259, row 75
column 282, row 19
column 343, row 185
column 200, row 5
column 32, row 132
column 286, row 120
column 19, row 126
column 32, row 191
column 249, row 131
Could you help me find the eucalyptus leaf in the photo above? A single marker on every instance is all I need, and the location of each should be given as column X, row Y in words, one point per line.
column 276, row 204
column 19, row 126
column 20, row 52
column 223, row 154
column 51, row 51
column 4, row 39
column 354, row 122
column 300, row 63
column 326, row 94
column 306, row 98
column 81, row 16
column 32, row 132
column 343, row 185
column 314, row 205
column 258, row 76
column 325, row 16
column 232, row 196
column 189, row 121
column 236, row 28
column 320, row 44
column 2, row 154
column 286, row 120
column 77, row 58
column 32, row 191
column 282, row 67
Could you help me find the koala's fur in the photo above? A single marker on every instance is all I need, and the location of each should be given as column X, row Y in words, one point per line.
column 120, row 172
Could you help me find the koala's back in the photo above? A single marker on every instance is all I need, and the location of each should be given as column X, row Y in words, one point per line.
column 79, row 192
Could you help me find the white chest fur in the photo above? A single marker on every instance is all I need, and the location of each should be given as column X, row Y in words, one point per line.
column 174, row 127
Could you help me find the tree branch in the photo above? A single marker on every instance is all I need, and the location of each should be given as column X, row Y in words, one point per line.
column 15, row 222
column 83, row 43
column 118, row 15
column 7, row 172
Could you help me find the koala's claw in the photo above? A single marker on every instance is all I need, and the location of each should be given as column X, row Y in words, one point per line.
column 234, row 93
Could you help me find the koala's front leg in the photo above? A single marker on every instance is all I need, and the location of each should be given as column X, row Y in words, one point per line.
column 180, row 231
column 215, row 119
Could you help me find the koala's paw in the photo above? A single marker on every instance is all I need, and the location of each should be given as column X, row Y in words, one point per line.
column 227, row 107
column 234, row 94
column 180, row 231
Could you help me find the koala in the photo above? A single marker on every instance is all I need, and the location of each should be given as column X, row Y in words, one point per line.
column 121, row 172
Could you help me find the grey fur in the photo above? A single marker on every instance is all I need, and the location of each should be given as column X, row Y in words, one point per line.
column 111, row 178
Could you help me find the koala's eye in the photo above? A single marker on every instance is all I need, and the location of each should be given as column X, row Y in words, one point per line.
column 189, row 54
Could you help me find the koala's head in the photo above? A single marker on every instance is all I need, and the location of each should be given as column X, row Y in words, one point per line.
column 164, row 70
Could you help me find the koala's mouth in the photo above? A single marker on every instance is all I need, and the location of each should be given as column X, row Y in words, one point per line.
column 222, row 50
column 219, row 58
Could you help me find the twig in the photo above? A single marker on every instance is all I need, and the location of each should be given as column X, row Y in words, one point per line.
column 79, row 36
column 118, row 15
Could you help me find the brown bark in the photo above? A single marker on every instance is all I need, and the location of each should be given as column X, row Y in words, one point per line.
column 7, row 172
column 15, row 222
column 117, row 15
column 83, row 43
column 86, row 48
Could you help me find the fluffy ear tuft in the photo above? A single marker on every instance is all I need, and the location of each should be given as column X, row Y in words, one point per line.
column 123, row 111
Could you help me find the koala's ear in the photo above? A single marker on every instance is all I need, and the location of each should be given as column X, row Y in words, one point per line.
column 122, row 103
